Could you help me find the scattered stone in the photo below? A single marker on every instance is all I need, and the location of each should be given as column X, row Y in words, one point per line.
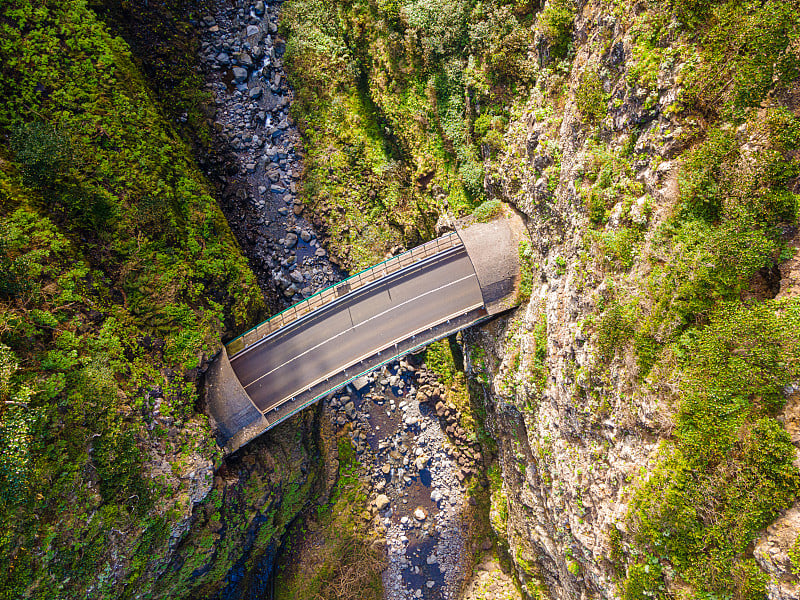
column 239, row 74
column 382, row 501
column 290, row 241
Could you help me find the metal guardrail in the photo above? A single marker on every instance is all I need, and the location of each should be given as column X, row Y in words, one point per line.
column 274, row 419
column 337, row 290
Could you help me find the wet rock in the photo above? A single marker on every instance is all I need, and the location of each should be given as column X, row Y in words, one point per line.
column 290, row 241
column 239, row 74
column 255, row 93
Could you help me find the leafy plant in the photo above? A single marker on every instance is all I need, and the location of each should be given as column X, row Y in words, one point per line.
column 43, row 152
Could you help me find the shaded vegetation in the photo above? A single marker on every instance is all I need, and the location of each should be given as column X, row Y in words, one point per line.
column 119, row 276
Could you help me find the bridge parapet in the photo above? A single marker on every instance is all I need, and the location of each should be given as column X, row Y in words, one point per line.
column 493, row 247
column 351, row 284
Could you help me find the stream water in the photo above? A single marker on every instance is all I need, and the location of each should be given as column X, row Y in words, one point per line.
column 399, row 440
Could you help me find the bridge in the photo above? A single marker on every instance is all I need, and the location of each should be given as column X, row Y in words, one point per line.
column 326, row 341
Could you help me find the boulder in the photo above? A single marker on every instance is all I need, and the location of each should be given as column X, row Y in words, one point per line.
column 239, row 74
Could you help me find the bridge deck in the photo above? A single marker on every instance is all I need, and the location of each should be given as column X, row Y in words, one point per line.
column 320, row 344
column 374, row 317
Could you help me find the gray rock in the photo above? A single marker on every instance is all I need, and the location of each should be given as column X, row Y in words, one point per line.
column 305, row 235
column 246, row 60
column 223, row 59
column 382, row 501
column 255, row 93
column 259, row 8
column 252, row 30
column 290, row 241
column 239, row 74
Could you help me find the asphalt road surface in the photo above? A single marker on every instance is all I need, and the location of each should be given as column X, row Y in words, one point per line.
column 357, row 326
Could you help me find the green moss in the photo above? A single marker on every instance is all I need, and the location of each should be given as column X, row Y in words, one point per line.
column 730, row 472
column 487, row 211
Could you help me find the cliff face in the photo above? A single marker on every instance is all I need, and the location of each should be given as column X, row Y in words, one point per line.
column 638, row 399
column 118, row 278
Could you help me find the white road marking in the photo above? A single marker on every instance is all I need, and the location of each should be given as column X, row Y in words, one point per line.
column 360, row 324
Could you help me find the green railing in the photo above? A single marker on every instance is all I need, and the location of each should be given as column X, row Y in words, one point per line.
column 337, row 290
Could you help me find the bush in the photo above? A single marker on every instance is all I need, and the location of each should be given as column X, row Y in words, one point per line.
column 441, row 24
column 590, row 98
column 731, row 470
column 557, row 20
column 644, row 581
column 700, row 178
column 42, row 151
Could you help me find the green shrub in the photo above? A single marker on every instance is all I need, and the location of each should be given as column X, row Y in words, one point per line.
column 731, row 470
column 590, row 98
column 557, row 20
column 526, row 272
column 42, row 151
column 701, row 189
column 615, row 328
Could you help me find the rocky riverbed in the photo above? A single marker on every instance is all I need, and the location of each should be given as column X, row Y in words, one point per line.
column 415, row 456
column 242, row 55
column 418, row 476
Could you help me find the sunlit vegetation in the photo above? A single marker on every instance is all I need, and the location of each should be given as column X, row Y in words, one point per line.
column 118, row 275
column 399, row 101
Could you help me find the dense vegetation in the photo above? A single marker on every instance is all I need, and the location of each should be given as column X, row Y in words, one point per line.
column 400, row 101
column 699, row 317
column 119, row 276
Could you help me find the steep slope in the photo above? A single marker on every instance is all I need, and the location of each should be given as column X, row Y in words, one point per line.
column 118, row 278
column 638, row 401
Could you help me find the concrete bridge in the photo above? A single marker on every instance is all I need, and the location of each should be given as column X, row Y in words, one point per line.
column 347, row 330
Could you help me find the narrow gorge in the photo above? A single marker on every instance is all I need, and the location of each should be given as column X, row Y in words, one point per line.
column 172, row 173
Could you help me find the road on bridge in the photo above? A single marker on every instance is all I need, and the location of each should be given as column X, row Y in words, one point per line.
column 334, row 338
